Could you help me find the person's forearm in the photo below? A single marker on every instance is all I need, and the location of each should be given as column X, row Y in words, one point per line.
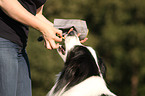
column 16, row 11
column 43, row 19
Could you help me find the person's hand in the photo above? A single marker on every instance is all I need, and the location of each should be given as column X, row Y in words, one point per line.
column 50, row 38
column 82, row 41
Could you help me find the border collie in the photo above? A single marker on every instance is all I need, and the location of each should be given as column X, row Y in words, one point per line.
column 83, row 72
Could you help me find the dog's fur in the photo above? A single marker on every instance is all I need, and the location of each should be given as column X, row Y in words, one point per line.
column 83, row 72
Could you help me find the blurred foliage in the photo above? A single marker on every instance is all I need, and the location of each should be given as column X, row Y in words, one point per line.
column 116, row 32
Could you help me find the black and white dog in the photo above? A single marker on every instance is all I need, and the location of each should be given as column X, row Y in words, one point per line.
column 82, row 74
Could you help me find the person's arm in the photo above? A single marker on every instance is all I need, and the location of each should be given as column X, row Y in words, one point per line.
column 16, row 11
column 40, row 16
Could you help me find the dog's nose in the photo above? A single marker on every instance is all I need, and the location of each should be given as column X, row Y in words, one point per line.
column 72, row 33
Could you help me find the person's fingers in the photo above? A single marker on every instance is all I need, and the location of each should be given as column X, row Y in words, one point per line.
column 53, row 44
column 58, row 32
column 56, row 38
column 82, row 41
column 79, row 34
column 47, row 45
column 67, row 33
column 70, row 30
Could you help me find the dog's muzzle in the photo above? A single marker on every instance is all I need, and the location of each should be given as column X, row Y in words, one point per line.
column 62, row 47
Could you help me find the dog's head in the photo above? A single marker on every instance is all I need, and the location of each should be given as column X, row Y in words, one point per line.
column 71, row 40
column 72, row 44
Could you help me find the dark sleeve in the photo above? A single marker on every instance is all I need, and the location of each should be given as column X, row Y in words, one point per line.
column 39, row 3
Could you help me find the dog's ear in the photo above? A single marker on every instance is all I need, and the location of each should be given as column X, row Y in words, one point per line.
column 102, row 66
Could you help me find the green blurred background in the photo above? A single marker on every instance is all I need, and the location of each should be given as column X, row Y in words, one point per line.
column 116, row 32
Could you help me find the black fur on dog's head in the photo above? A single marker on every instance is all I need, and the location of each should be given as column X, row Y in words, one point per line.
column 79, row 65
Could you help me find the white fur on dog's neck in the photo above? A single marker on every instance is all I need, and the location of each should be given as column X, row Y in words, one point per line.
column 93, row 86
